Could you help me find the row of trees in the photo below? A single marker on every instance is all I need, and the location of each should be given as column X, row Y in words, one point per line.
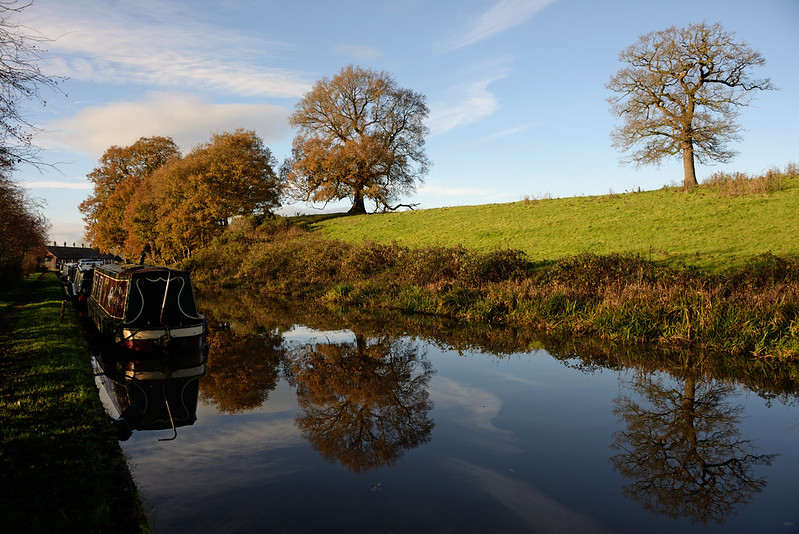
column 23, row 227
column 149, row 198
column 361, row 136
column 23, row 232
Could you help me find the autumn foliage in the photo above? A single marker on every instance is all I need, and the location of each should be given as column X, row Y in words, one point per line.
column 23, row 232
column 148, row 198
column 361, row 136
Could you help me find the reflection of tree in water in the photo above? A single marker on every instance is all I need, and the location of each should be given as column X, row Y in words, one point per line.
column 684, row 452
column 242, row 368
column 363, row 403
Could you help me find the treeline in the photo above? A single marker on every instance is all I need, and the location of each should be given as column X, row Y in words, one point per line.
column 753, row 310
column 23, row 227
column 23, row 232
column 149, row 199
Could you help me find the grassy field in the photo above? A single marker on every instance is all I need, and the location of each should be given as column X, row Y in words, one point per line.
column 713, row 227
column 716, row 268
column 62, row 467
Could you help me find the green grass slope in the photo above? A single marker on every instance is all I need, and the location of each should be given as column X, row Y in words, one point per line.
column 710, row 227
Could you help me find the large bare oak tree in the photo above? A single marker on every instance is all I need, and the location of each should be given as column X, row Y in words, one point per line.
column 680, row 94
column 360, row 136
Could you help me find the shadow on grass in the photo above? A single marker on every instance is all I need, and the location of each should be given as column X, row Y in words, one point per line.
column 312, row 222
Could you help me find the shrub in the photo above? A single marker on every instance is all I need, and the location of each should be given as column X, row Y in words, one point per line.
column 495, row 266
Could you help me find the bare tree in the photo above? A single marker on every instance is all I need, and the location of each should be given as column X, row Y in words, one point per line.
column 23, row 227
column 20, row 80
column 681, row 93
column 361, row 136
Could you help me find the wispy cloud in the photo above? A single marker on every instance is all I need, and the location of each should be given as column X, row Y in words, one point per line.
column 133, row 43
column 470, row 104
column 509, row 131
column 54, row 184
column 534, row 507
column 188, row 119
column 503, row 16
column 477, row 408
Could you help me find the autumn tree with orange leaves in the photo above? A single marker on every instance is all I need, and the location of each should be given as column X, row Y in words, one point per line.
column 147, row 198
column 361, row 136
column 231, row 175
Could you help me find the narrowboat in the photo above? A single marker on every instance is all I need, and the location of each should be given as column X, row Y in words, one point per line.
column 82, row 288
column 147, row 309
column 67, row 275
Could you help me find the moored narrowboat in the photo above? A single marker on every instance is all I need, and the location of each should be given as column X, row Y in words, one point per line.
column 82, row 288
column 146, row 308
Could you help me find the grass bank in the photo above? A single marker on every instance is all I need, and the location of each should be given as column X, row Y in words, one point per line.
column 62, row 467
column 716, row 268
column 750, row 310
column 721, row 224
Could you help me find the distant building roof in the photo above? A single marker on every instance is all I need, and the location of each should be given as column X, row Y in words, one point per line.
column 76, row 253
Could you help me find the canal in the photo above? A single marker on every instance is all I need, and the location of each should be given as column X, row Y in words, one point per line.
column 319, row 421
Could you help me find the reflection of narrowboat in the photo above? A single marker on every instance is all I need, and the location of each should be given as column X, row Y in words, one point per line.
column 146, row 308
column 144, row 396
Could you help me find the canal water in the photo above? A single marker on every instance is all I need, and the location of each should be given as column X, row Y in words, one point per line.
column 312, row 421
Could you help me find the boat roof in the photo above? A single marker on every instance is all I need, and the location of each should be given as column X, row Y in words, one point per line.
column 128, row 270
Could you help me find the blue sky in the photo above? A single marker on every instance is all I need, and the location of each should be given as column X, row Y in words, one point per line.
column 516, row 88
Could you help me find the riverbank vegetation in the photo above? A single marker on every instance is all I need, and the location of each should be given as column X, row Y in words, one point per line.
column 745, row 302
column 62, row 467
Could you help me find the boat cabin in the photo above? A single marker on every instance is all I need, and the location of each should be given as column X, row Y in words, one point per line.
column 143, row 307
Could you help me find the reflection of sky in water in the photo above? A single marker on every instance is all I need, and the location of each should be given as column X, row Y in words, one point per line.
column 520, row 444
column 303, row 334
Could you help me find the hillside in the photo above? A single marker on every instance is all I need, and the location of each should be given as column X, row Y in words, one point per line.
column 713, row 227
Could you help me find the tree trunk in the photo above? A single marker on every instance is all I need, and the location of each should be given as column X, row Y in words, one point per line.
column 358, row 206
column 688, row 165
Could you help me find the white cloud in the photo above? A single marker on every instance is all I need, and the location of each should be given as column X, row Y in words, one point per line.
column 53, row 184
column 188, row 119
column 66, row 231
column 538, row 510
column 509, row 131
column 157, row 44
column 504, row 15
column 478, row 407
column 474, row 103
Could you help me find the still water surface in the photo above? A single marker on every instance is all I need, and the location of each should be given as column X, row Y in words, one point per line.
column 310, row 429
